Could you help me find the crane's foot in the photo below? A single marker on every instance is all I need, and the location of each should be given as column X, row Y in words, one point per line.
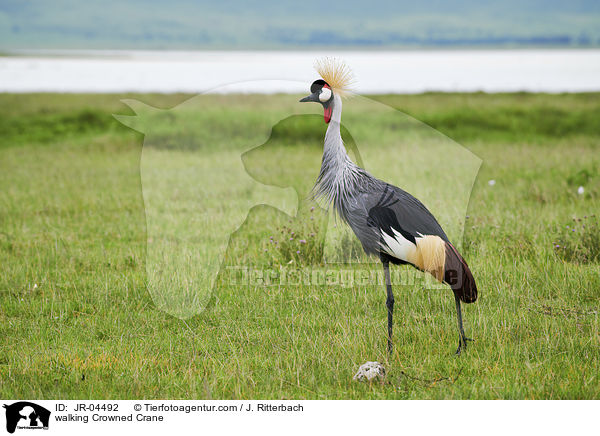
column 462, row 344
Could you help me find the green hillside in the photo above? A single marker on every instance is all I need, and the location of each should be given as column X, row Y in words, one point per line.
column 236, row 24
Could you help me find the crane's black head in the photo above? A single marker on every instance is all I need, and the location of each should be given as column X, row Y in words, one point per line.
column 321, row 93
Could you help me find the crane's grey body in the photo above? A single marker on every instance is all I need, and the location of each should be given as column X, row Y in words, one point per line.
column 354, row 194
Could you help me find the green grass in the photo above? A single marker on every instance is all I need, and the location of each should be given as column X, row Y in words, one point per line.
column 77, row 313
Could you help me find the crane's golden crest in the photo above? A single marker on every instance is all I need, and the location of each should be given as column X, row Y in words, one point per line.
column 336, row 73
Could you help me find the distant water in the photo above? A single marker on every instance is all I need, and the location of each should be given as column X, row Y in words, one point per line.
column 376, row 71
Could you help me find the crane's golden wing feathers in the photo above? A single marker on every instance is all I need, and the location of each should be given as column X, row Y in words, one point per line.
column 336, row 73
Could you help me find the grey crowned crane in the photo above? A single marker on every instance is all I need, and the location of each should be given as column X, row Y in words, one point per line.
column 389, row 222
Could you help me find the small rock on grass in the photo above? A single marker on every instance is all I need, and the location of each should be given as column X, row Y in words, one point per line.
column 370, row 371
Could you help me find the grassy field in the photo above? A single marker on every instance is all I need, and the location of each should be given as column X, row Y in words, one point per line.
column 81, row 317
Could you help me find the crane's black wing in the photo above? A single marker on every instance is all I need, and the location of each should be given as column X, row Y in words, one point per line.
column 410, row 213
column 384, row 207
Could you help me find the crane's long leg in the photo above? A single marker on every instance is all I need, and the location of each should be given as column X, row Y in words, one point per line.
column 389, row 303
column 462, row 338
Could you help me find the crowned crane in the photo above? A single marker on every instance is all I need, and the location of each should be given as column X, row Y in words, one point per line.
column 389, row 222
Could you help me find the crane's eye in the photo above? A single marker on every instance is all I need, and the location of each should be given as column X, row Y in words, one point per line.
column 325, row 95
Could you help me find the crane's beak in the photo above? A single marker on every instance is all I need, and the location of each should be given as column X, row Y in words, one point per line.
column 313, row 97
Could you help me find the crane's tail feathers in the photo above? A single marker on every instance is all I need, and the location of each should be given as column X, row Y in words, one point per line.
column 441, row 260
column 458, row 275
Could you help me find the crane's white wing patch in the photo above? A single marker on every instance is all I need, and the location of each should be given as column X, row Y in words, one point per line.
column 397, row 246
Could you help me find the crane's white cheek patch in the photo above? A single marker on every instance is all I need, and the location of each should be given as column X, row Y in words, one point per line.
column 325, row 95
column 398, row 246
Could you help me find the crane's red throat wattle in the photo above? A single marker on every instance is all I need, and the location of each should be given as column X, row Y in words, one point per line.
column 327, row 114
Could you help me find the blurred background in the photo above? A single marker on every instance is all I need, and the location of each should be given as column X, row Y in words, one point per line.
column 393, row 46
column 236, row 24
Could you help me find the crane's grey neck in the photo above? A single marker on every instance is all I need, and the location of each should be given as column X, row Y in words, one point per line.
column 339, row 179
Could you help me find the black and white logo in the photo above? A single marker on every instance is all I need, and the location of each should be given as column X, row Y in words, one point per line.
column 26, row 415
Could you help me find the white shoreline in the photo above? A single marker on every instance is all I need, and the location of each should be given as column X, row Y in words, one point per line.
column 377, row 72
